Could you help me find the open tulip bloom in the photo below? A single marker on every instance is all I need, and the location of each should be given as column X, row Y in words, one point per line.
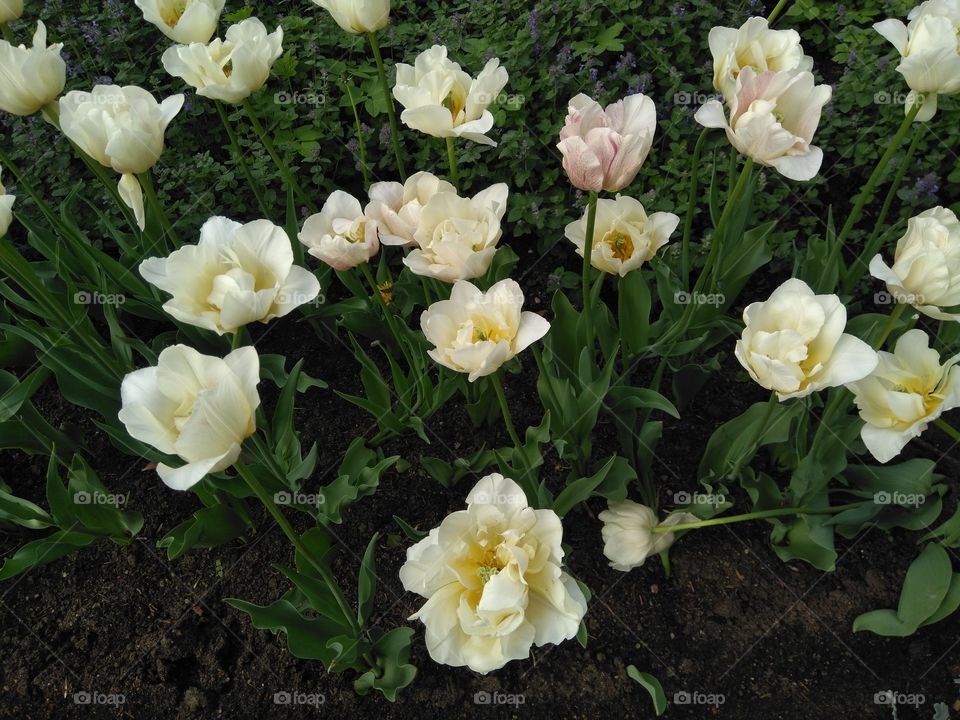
column 30, row 78
column 476, row 332
column 773, row 117
column 236, row 274
column 493, row 579
column 441, row 100
column 397, row 208
column 908, row 390
column 604, row 148
column 121, row 128
column 229, row 70
column 930, row 49
column 340, row 234
column 183, row 21
column 358, row 16
column 196, row 406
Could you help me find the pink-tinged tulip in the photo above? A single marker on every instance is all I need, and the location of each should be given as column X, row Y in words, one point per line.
column 604, row 149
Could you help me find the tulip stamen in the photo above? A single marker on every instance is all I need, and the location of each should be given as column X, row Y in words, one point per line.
column 621, row 243
column 172, row 13
column 228, row 69
column 485, row 572
column 454, row 104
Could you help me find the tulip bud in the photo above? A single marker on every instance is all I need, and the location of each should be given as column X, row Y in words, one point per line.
column 10, row 10
column 183, row 21
column 358, row 16
column 32, row 77
column 628, row 537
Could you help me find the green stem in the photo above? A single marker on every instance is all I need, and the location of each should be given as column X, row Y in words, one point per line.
column 239, row 159
column 452, row 161
column 891, row 323
column 752, row 446
column 505, row 409
column 261, row 492
column 872, row 247
column 360, row 144
column 146, row 182
column 775, row 13
column 759, row 515
column 8, row 34
column 691, row 207
column 268, row 145
column 875, row 177
column 947, row 428
column 391, row 110
column 721, row 230
column 585, row 274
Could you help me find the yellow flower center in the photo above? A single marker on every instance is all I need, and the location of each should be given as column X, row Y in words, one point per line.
column 171, row 14
column 228, row 68
column 386, row 291
column 489, row 566
column 621, row 244
column 483, row 332
column 455, row 104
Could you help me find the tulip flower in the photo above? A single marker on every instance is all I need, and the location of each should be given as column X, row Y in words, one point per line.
column 198, row 407
column 794, row 343
column 604, row 149
column 6, row 208
column 237, row 274
column 755, row 45
column 908, row 390
column 229, row 70
column 441, row 100
column 183, row 21
column 628, row 537
column 121, row 128
column 476, row 332
column 926, row 264
column 493, row 580
column 930, row 50
column 773, row 117
column 624, row 236
column 340, row 234
column 397, row 208
column 358, row 16
column 457, row 237
column 10, row 10
column 30, row 77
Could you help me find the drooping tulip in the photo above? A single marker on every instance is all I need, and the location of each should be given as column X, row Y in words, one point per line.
column 628, row 537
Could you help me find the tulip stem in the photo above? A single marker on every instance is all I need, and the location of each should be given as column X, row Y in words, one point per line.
column 361, row 147
column 587, row 257
column 775, row 13
column 146, row 182
column 505, row 409
column 691, row 207
column 452, row 160
column 239, row 159
column 868, row 189
column 891, row 323
column 759, row 515
column 872, row 246
column 391, row 110
column 719, row 233
column 947, row 428
column 753, row 445
column 268, row 145
column 8, row 34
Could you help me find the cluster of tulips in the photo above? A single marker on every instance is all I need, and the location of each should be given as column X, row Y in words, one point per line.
column 493, row 575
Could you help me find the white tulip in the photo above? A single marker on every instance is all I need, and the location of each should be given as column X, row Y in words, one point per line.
column 493, row 579
column 340, row 234
column 794, row 343
column 628, row 537
column 229, row 70
column 396, row 208
column 6, row 207
column 930, row 51
column 624, row 236
column 457, row 237
column 10, row 10
column 773, row 117
column 183, row 21
column 443, row 101
column 30, row 77
column 358, row 16
column 121, row 128
column 198, row 407
column 237, row 274
column 755, row 45
column 926, row 264
column 476, row 332
column 908, row 390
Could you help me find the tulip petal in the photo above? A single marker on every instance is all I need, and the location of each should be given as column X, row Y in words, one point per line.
column 132, row 196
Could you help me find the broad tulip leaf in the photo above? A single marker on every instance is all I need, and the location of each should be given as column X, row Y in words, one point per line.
column 649, row 683
column 307, row 637
column 392, row 652
column 44, row 551
column 367, row 582
column 925, row 586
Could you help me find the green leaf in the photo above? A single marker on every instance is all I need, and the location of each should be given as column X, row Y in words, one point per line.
column 392, row 652
column 43, row 551
column 951, row 602
column 367, row 582
column 411, row 532
column 652, row 686
column 925, row 586
column 307, row 637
